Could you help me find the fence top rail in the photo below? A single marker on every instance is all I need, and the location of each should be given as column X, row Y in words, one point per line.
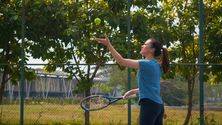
column 60, row 64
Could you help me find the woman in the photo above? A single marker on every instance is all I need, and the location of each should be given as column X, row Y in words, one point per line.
column 149, row 74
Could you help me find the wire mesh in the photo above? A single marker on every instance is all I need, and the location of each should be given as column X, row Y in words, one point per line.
column 49, row 99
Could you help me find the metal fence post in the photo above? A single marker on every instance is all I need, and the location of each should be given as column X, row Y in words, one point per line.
column 22, row 78
column 200, row 61
column 129, row 55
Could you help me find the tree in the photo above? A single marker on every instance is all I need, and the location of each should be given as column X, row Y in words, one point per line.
column 60, row 31
column 213, row 43
column 183, row 19
column 10, row 35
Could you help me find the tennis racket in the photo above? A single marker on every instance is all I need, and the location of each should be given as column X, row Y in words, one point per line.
column 98, row 102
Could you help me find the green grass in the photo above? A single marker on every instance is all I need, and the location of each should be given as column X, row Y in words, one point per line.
column 56, row 114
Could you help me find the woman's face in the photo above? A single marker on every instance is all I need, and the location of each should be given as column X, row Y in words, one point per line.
column 146, row 48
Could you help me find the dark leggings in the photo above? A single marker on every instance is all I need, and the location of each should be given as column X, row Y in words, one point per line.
column 151, row 113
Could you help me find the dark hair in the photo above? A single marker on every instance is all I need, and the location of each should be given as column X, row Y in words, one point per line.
column 158, row 51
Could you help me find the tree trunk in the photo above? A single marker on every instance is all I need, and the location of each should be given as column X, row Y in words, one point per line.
column 5, row 71
column 3, row 82
column 86, row 113
column 190, row 99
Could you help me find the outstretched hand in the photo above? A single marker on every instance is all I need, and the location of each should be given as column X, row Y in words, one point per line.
column 105, row 41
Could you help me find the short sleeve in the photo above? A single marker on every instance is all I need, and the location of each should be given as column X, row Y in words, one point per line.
column 145, row 65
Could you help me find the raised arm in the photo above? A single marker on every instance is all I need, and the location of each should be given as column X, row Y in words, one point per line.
column 119, row 59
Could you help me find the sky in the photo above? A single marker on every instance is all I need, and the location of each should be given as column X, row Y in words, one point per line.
column 35, row 61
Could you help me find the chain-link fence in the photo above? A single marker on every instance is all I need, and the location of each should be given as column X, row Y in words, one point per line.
column 50, row 99
column 61, row 31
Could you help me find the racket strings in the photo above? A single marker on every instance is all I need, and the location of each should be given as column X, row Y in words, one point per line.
column 95, row 103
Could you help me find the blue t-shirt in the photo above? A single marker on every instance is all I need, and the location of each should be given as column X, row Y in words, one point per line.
column 149, row 74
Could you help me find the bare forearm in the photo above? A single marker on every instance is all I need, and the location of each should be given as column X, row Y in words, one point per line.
column 135, row 91
column 119, row 59
column 131, row 93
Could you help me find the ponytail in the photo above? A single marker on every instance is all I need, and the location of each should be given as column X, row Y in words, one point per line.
column 165, row 60
column 158, row 51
